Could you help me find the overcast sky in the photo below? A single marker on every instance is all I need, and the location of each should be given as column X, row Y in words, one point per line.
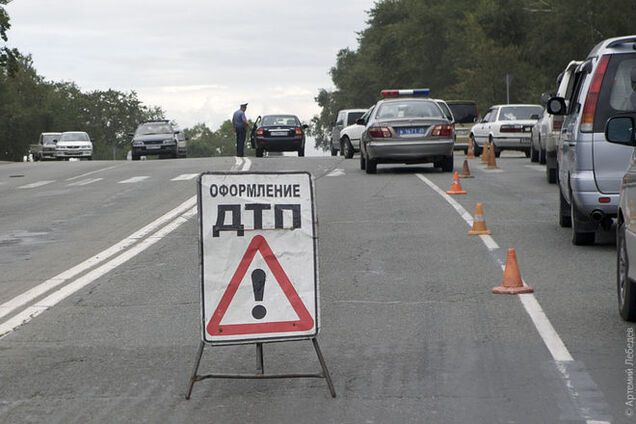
column 197, row 60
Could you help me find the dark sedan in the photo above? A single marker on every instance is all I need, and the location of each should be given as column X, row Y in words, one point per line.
column 278, row 133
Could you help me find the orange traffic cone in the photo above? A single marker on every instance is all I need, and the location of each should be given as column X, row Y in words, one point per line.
column 470, row 154
column 512, row 282
column 484, row 154
column 456, row 187
column 479, row 224
column 492, row 161
column 466, row 171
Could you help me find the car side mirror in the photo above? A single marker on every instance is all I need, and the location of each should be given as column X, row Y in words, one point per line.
column 620, row 130
column 556, row 106
column 360, row 121
column 54, row 141
column 535, row 117
column 305, row 126
column 131, row 134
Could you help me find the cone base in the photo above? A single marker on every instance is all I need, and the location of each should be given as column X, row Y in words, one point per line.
column 466, row 176
column 479, row 233
column 456, row 192
column 512, row 290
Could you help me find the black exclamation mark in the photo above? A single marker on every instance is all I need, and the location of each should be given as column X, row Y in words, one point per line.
column 258, row 284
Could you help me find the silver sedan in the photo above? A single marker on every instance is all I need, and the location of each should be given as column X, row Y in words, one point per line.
column 406, row 130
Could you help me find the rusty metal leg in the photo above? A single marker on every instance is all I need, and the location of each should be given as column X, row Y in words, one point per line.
column 260, row 363
column 193, row 378
column 325, row 371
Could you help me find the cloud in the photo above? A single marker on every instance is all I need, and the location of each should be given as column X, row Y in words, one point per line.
column 198, row 59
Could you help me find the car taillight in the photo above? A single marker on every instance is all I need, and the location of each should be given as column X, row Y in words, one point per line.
column 511, row 128
column 299, row 131
column 260, row 132
column 379, row 132
column 589, row 110
column 442, row 131
column 557, row 123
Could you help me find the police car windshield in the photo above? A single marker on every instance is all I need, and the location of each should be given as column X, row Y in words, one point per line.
column 513, row 113
column 284, row 120
column 409, row 109
column 148, row 129
column 75, row 136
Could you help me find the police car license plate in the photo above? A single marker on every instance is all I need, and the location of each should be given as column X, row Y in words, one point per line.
column 410, row 131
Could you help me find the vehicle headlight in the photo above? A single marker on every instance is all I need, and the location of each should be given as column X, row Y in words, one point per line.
column 169, row 141
column 138, row 143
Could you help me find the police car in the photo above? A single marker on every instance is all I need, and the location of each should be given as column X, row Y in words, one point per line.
column 406, row 127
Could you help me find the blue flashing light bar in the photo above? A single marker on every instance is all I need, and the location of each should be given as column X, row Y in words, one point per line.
column 415, row 92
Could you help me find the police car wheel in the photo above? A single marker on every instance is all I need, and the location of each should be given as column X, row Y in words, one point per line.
column 371, row 166
column 363, row 164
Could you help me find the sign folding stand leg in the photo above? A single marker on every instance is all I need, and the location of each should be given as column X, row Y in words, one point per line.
column 260, row 370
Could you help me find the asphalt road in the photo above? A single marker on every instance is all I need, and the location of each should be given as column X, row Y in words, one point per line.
column 410, row 330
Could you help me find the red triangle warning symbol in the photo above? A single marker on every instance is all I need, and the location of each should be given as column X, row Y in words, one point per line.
column 305, row 321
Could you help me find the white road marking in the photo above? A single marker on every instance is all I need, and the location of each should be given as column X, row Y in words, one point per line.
column 492, row 171
column 185, row 177
column 38, row 184
column 539, row 168
column 92, row 172
column 547, row 332
column 84, row 182
column 30, row 295
column 336, row 173
column 178, row 216
column 134, row 179
column 490, row 242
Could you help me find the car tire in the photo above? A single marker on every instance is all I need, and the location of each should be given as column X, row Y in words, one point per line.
column 534, row 155
column 542, row 156
column 551, row 175
column 259, row 152
column 90, row 158
column 624, row 285
column 334, row 152
column 134, row 157
column 476, row 149
column 565, row 220
column 527, row 153
column 579, row 238
column 301, row 152
column 497, row 152
column 371, row 166
column 447, row 164
column 363, row 164
column 347, row 148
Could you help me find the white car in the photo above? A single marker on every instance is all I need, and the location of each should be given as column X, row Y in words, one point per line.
column 345, row 118
column 350, row 136
column 74, row 144
column 507, row 127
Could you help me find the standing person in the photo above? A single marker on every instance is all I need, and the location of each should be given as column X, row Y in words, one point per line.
column 239, row 120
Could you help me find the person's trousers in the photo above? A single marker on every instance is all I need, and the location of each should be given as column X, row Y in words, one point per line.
column 240, row 141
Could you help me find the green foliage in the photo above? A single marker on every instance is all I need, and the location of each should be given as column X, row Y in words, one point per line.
column 463, row 49
column 203, row 142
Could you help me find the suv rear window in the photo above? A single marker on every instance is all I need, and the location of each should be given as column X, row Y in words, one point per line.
column 618, row 92
column 464, row 113
column 353, row 117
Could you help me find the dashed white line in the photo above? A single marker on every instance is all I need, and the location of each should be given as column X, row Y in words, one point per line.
column 134, row 179
column 37, row 184
column 92, row 172
column 84, row 182
column 185, row 177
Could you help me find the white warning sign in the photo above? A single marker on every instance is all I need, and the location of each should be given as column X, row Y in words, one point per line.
column 259, row 266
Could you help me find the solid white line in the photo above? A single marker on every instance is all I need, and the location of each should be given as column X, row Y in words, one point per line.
column 247, row 164
column 38, row 184
column 490, row 242
column 30, row 295
column 84, row 182
column 134, row 179
column 550, row 337
column 53, row 299
column 92, row 172
column 185, row 177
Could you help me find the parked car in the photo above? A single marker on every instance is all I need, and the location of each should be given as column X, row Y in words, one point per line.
column 345, row 118
column 74, row 144
column 350, row 136
column 548, row 143
column 621, row 131
column 590, row 168
column 278, row 133
column 404, row 127
column 539, row 132
column 466, row 115
column 45, row 148
column 159, row 138
column 507, row 127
